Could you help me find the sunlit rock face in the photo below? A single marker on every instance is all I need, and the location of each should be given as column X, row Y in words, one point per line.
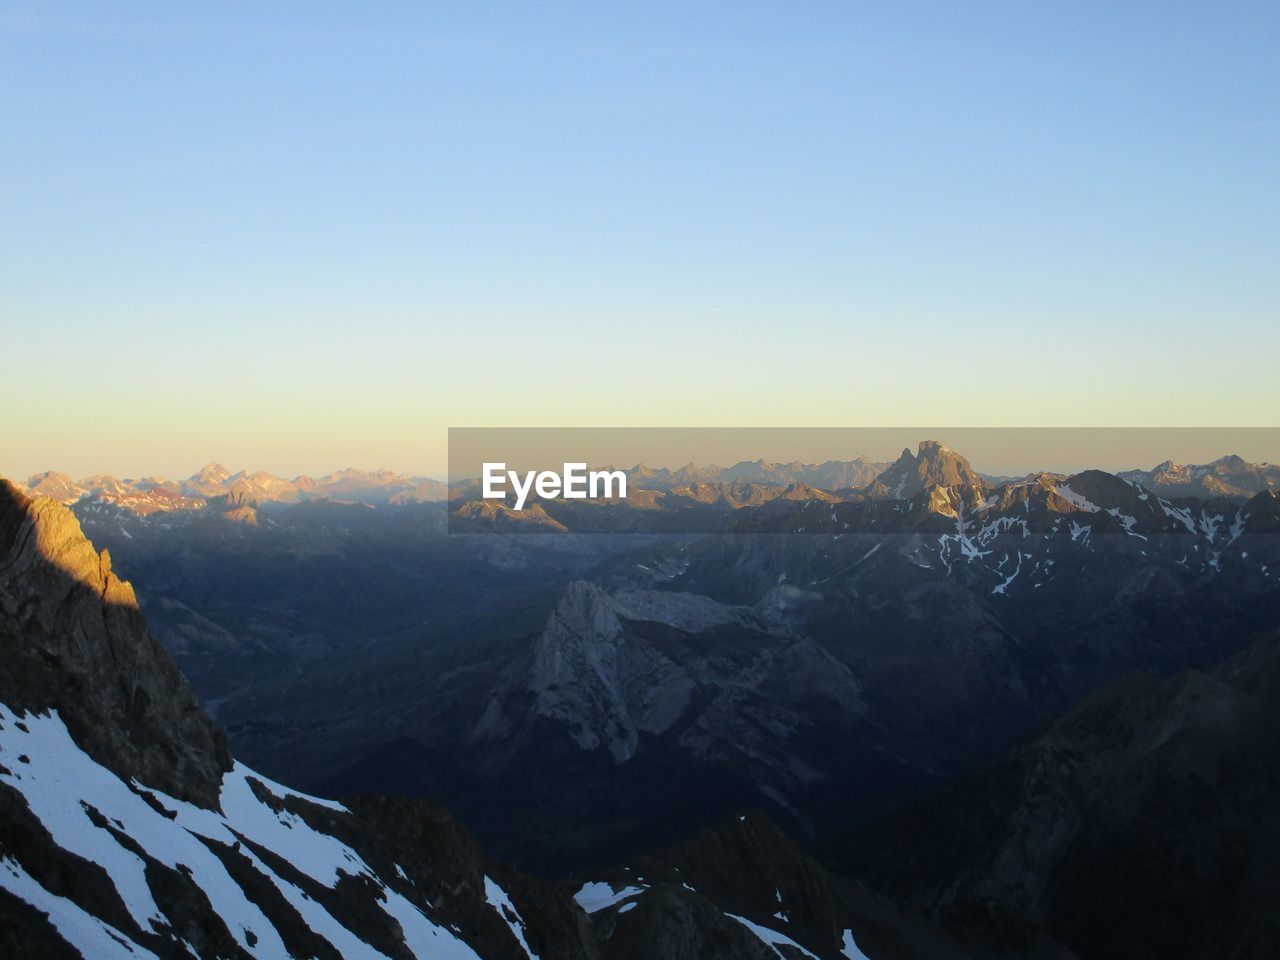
column 74, row 640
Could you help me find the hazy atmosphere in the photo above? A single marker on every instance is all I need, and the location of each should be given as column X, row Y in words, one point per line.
column 299, row 243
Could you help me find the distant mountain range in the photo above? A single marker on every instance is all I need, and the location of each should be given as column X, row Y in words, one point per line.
column 215, row 482
column 932, row 483
column 1229, row 476
column 745, row 484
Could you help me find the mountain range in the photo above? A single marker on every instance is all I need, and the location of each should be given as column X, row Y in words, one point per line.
column 944, row 708
column 215, row 482
column 742, row 484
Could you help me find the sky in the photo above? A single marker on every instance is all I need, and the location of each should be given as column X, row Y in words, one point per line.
column 300, row 237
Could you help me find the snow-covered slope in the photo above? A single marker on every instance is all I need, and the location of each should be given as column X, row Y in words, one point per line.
column 136, row 834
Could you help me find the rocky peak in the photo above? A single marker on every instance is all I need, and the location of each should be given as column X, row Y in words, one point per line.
column 72, row 638
column 57, row 486
column 211, row 473
column 939, row 464
column 799, row 490
column 49, row 476
column 1102, row 489
column 575, row 676
column 583, row 615
column 933, row 465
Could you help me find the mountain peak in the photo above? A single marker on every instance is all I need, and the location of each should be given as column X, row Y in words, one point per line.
column 1231, row 463
column 38, row 478
column 933, row 465
column 113, row 684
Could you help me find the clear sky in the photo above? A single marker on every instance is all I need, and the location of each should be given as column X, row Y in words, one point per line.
column 305, row 236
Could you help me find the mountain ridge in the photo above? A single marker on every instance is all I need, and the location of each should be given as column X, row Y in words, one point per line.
column 747, row 483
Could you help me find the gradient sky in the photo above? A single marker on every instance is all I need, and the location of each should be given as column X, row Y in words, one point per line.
column 305, row 236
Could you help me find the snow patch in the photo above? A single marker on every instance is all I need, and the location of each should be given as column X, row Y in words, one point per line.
column 1077, row 500
column 850, row 949
column 61, row 785
column 1003, row 588
column 500, row 902
column 596, row 896
column 772, row 937
column 1181, row 514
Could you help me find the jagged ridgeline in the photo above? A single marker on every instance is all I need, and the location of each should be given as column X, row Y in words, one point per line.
column 127, row 830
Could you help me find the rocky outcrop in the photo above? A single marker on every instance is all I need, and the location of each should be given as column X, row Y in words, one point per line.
column 72, row 638
column 933, row 465
column 602, row 672
column 575, row 676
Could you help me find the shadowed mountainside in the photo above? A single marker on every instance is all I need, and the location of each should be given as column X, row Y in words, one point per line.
column 1140, row 825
